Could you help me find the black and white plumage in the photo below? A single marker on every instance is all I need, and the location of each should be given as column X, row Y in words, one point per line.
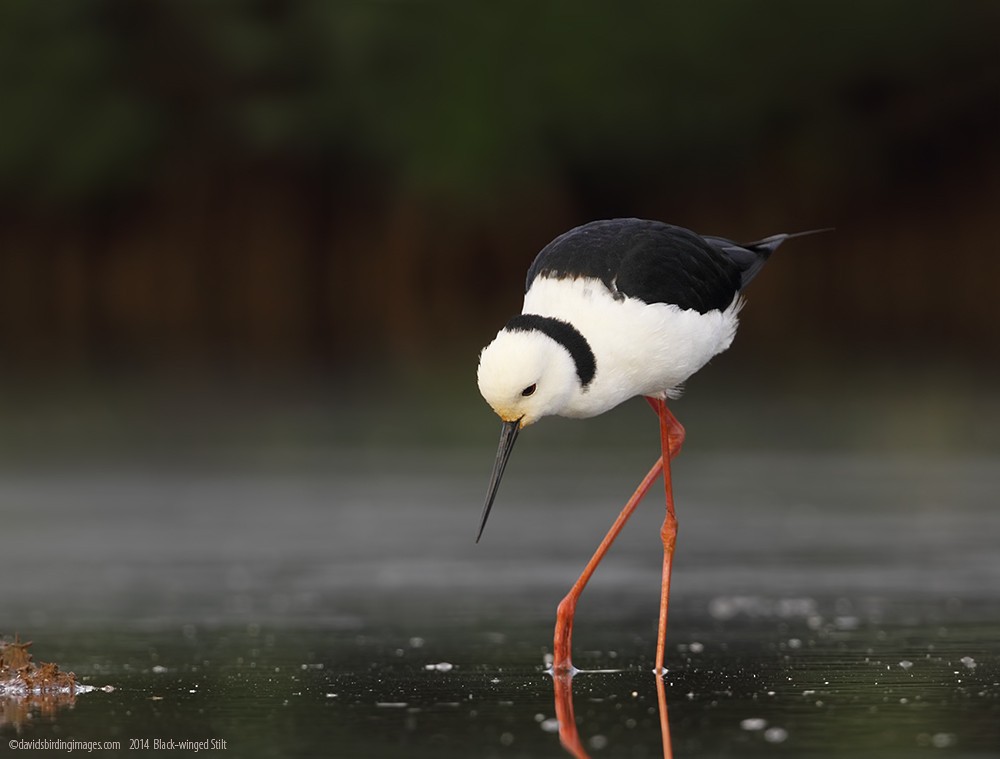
column 612, row 310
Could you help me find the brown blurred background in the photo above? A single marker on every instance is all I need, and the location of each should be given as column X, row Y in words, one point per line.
column 332, row 188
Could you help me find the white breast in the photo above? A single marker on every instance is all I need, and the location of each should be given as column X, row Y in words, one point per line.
column 640, row 348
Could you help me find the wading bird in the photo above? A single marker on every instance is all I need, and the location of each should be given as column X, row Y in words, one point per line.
column 612, row 310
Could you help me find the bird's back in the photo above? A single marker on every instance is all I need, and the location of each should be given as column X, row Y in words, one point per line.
column 654, row 302
column 651, row 261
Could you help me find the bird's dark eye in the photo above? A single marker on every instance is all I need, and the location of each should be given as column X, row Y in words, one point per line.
column 529, row 390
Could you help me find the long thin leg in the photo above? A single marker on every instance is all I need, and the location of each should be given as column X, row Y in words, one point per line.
column 567, row 607
column 671, row 439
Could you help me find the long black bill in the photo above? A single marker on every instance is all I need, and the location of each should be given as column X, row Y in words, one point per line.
column 508, row 434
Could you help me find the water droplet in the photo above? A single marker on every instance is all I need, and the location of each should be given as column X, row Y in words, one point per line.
column 598, row 742
column 775, row 735
column 943, row 740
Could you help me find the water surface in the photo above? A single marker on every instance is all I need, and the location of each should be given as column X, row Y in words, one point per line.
column 824, row 604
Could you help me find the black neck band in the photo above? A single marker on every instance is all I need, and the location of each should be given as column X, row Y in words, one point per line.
column 566, row 335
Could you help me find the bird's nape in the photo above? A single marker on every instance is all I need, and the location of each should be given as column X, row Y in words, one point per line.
column 508, row 435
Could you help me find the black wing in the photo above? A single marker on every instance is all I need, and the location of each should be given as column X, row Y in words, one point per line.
column 648, row 260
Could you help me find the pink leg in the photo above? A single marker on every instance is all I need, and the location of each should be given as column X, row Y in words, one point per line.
column 567, row 607
column 671, row 439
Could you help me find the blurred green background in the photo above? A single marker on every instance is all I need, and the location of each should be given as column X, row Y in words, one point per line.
column 327, row 208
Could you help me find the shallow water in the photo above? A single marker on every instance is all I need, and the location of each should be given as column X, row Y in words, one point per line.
column 823, row 604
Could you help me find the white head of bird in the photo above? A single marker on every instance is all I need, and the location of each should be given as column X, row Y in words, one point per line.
column 525, row 375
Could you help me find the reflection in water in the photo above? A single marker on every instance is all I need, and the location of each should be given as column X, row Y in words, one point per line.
column 18, row 711
column 569, row 734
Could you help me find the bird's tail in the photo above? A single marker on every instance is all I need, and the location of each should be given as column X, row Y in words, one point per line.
column 752, row 256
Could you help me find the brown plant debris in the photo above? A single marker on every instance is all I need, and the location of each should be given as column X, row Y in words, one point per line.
column 27, row 687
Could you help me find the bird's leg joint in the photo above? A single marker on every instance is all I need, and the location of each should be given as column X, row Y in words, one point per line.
column 669, row 532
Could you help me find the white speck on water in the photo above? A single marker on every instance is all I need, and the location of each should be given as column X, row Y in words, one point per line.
column 494, row 680
column 794, row 643
column 968, row 661
column 847, row 623
column 775, row 735
column 635, row 694
column 753, row 723
column 770, row 693
column 550, row 725
column 539, row 717
column 441, row 666
column 598, row 742
column 906, row 664
column 417, row 642
column 943, row 740
column 696, row 647
column 391, row 704
column 159, row 669
column 630, row 723
column 727, row 607
column 690, row 696
column 506, row 738
column 808, row 692
column 331, row 695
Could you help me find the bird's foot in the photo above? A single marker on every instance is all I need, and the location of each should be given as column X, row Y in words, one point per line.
column 559, row 667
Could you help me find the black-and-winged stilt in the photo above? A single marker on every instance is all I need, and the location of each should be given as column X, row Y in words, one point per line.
column 612, row 310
